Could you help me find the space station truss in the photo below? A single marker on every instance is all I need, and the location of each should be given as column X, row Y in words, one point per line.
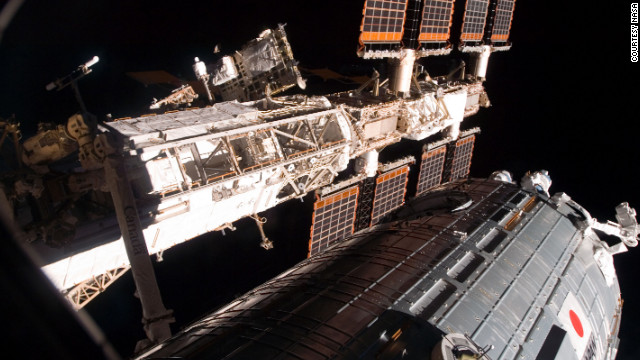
column 377, row 122
column 414, row 118
column 83, row 293
column 184, row 95
column 212, row 166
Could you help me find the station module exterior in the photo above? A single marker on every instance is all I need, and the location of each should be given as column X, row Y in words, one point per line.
column 513, row 274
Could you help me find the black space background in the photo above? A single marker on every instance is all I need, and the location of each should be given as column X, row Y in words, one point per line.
column 565, row 99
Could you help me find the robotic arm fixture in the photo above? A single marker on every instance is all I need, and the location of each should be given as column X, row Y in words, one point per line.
column 72, row 79
column 626, row 229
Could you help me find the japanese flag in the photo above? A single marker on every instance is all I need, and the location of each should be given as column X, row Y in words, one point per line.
column 576, row 324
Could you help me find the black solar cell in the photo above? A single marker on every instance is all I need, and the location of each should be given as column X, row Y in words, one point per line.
column 502, row 21
column 462, row 158
column 383, row 21
column 333, row 219
column 431, row 169
column 475, row 17
column 389, row 195
column 436, row 21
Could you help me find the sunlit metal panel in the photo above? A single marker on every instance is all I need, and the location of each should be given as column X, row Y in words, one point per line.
column 391, row 188
column 431, row 169
column 333, row 219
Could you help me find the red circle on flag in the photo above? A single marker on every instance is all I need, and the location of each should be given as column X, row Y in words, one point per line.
column 577, row 324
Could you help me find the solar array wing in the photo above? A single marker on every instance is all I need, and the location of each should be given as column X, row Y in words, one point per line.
column 475, row 17
column 333, row 218
column 462, row 158
column 436, row 21
column 383, row 21
column 389, row 195
column 502, row 21
column 431, row 169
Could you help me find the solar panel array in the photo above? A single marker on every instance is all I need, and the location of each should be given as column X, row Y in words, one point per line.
column 462, row 157
column 426, row 25
column 475, row 17
column 383, row 21
column 389, row 195
column 333, row 219
column 431, row 169
column 436, row 21
column 502, row 21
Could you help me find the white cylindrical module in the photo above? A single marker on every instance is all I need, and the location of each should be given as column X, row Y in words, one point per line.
column 453, row 131
column 539, row 181
column 502, row 175
column 199, row 68
column 367, row 163
column 481, row 62
column 94, row 60
column 402, row 71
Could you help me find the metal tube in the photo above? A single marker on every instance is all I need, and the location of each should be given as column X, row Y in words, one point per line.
column 481, row 62
column 156, row 318
column 402, row 71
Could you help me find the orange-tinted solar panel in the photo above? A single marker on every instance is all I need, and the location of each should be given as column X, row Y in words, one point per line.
column 431, row 169
column 502, row 21
column 462, row 158
column 333, row 218
column 475, row 17
column 389, row 195
column 383, row 21
column 436, row 21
